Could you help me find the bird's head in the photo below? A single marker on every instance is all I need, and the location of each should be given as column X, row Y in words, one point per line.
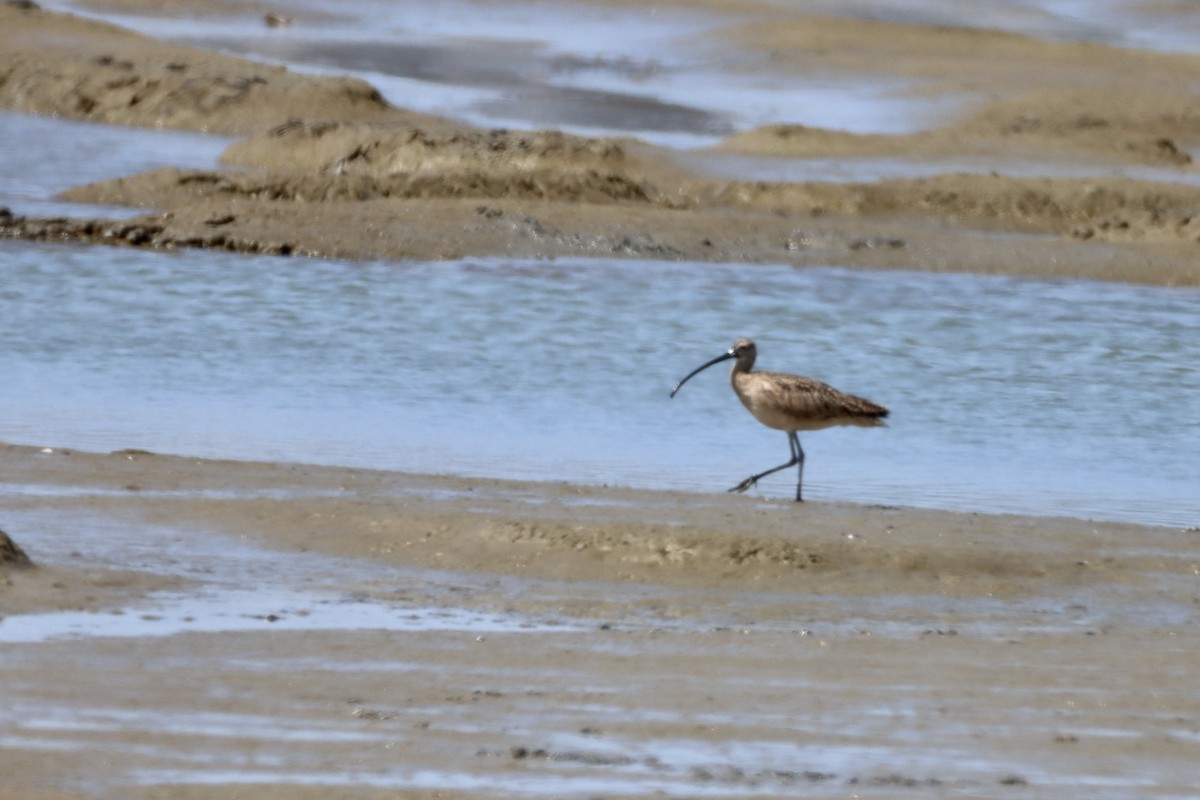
column 743, row 350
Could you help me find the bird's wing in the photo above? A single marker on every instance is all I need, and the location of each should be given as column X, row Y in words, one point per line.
column 812, row 399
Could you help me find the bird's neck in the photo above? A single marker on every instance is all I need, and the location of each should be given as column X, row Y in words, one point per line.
column 738, row 368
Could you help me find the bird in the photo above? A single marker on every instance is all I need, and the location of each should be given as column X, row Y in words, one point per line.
column 789, row 403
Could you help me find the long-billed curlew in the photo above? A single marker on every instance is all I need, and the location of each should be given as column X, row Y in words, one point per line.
column 789, row 403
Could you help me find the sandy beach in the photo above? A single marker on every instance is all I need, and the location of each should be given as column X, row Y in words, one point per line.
column 287, row 630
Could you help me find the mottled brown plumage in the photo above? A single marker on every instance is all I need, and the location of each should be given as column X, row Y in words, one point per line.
column 790, row 403
column 795, row 402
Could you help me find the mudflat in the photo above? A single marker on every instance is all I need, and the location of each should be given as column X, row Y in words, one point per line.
column 196, row 628
column 497, row 637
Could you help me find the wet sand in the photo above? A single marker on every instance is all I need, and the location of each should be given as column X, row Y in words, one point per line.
column 634, row 642
column 328, row 168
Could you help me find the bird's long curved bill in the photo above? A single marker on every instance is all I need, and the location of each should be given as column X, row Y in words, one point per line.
column 701, row 368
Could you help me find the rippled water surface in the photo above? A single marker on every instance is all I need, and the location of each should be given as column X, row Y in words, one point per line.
column 56, row 154
column 1006, row 395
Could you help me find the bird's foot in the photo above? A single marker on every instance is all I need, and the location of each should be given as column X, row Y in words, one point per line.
column 744, row 485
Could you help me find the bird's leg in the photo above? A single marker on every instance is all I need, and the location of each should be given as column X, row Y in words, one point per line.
column 798, row 452
column 797, row 458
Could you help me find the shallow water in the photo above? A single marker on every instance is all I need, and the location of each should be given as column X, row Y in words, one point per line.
column 57, row 154
column 1043, row 397
column 230, row 610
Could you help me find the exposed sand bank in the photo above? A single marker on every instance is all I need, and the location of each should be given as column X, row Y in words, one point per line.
column 1017, row 647
column 328, row 168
